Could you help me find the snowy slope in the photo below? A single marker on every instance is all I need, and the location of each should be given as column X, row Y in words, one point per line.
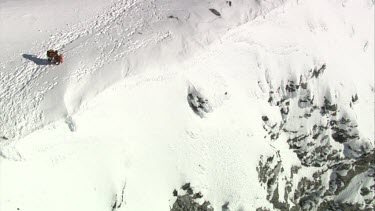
column 123, row 38
column 258, row 105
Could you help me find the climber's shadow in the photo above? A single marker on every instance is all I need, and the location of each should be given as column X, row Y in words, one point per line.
column 35, row 59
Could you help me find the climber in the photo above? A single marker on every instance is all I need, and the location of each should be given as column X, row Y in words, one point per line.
column 58, row 59
column 51, row 54
column 54, row 56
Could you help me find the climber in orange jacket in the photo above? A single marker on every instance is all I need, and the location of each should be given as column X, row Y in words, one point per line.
column 54, row 56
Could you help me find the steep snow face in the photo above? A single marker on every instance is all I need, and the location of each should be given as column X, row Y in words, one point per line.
column 115, row 41
column 220, row 105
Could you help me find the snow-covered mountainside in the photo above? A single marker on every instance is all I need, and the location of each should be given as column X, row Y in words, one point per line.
column 187, row 105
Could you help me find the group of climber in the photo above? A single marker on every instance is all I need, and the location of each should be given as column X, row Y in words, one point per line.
column 54, row 56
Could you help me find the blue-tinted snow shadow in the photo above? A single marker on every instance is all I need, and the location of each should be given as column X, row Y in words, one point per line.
column 35, row 59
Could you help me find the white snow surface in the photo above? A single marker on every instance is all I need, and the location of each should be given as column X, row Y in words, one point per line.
column 115, row 113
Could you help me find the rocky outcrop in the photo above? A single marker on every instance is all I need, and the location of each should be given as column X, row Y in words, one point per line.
column 119, row 199
column 197, row 102
column 326, row 140
column 322, row 190
column 187, row 200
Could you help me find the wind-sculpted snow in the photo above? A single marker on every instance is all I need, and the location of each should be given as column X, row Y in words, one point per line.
column 24, row 89
column 124, row 39
column 188, row 105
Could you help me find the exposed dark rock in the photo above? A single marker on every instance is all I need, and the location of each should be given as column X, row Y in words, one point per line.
column 354, row 98
column 285, row 110
column 119, row 201
column 173, row 17
column 328, row 107
column 262, row 209
column 197, row 102
column 306, row 99
column 186, row 186
column 71, row 124
column 308, row 192
column 215, row 12
column 312, row 194
column 273, row 130
column 316, row 72
column 268, row 173
column 290, row 87
column 365, row 191
column 225, row 207
column 187, row 202
column 333, row 206
column 274, row 136
column 190, row 191
column 275, row 200
column 343, row 131
column 198, row 195
column 316, row 145
column 342, row 136
column 294, row 170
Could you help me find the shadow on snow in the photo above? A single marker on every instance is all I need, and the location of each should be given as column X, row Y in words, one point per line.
column 35, row 59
